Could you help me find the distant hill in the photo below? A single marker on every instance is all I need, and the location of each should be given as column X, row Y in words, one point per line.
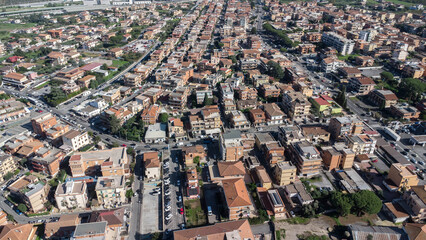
column 15, row 2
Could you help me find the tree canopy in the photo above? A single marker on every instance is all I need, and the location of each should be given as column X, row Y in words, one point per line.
column 164, row 117
column 360, row 202
column 275, row 70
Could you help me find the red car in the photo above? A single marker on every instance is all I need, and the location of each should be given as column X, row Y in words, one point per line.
column 180, row 210
column 124, row 145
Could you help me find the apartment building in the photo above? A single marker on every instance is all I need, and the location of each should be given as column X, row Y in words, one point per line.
column 295, row 104
column 7, row 165
column 93, row 230
column 285, row 173
column 306, row 157
column 237, row 199
column 112, row 96
column 132, row 80
column 42, row 123
column 345, row 126
column 152, row 165
column 17, row 80
column 272, row 202
column 231, row 146
column 150, row 115
column 109, row 162
column 342, row 45
column 205, row 122
column 191, row 152
column 404, row 111
column 76, row 139
column 257, row 117
column 273, row 114
column 30, row 191
column 178, row 98
column 238, row 120
column 362, row 85
column 175, row 129
column 47, row 161
column 71, row 195
column 400, row 177
column 361, row 143
column 261, row 177
column 111, row 191
column 239, row 229
column 416, row 200
column 383, row 98
column 192, row 188
column 269, row 91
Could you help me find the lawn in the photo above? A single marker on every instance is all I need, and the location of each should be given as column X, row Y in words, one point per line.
column 42, row 85
column 195, row 215
column 118, row 63
column 407, row 4
column 10, row 26
column 346, row 57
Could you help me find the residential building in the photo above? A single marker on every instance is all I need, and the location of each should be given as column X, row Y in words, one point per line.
column 285, row 173
column 376, row 232
column 362, row 85
column 42, row 123
column 315, row 134
column 17, row 80
column 47, row 161
column 272, row 202
column 257, row 117
column 178, row 98
column 401, row 177
column 361, row 143
column 273, row 114
column 176, row 130
column 306, row 157
column 132, row 80
column 238, row 120
column 189, row 153
column 76, row 139
column 404, row 111
column 19, row 231
column 228, row 170
column 112, row 96
column 306, row 48
column 341, row 44
column 383, row 98
column 326, row 105
column 206, row 122
column 150, row 115
column 237, row 199
column 295, row 104
column 344, row 126
column 296, row 192
column 7, row 165
column 111, row 191
column 110, row 162
column 231, row 146
column 63, row 228
column 152, row 165
column 94, row 230
column 71, row 195
column 331, row 64
column 269, row 91
column 261, row 177
column 192, row 189
column 30, row 191
column 416, row 200
column 239, row 229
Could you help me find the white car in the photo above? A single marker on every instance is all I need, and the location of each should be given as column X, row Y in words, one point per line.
column 167, row 193
column 167, row 181
column 168, row 217
column 167, row 208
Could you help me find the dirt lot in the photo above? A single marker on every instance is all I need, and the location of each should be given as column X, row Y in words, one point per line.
column 317, row 226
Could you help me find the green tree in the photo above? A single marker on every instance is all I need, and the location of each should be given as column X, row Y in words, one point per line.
column 387, row 76
column 253, row 30
column 164, row 117
column 129, row 193
column 114, row 124
column 275, row 70
column 342, row 202
column 411, row 89
column 196, row 160
column 96, row 139
column 22, row 207
column 207, row 101
column 368, row 202
column 8, row 176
